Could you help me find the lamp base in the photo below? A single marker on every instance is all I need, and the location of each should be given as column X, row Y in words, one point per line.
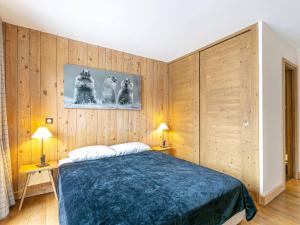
column 42, row 164
column 164, row 144
column 43, row 161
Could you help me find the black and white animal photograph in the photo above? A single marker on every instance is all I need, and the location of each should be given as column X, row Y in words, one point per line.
column 125, row 95
column 84, row 91
column 100, row 89
column 109, row 90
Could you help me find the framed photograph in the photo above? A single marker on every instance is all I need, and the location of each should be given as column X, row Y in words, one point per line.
column 90, row 88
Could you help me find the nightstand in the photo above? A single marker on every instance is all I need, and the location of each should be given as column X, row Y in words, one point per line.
column 162, row 149
column 30, row 170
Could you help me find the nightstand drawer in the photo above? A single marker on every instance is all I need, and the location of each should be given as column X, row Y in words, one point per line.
column 39, row 178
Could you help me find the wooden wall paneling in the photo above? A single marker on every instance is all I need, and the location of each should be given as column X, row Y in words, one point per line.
column 203, row 108
column 229, row 109
column 24, row 123
column 100, row 117
column 114, row 113
column 150, row 89
column 255, row 108
column 35, row 64
column 121, row 137
column 107, row 113
column 35, row 90
column 72, row 113
column 246, row 133
column 165, row 106
column 143, row 116
column 163, row 97
column 11, row 69
column 125, row 113
column 101, row 57
column 159, row 100
column 246, row 29
column 62, row 113
column 71, row 129
column 171, row 133
column 161, row 92
column 251, row 159
column 146, row 88
column 48, row 89
column 196, row 108
column 91, row 129
column 155, row 102
column 145, row 99
column 81, row 115
column 221, row 108
column 78, row 55
column 35, row 97
column 161, row 105
column 114, row 60
column 184, row 107
column 155, row 110
column 134, row 115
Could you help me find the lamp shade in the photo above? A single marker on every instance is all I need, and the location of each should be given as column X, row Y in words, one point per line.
column 42, row 132
column 163, row 126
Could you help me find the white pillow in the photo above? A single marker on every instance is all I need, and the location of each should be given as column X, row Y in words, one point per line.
column 64, row 161
column 129, row 148
column 91, row 152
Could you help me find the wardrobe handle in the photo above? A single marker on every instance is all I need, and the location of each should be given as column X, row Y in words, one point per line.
column 246, row 123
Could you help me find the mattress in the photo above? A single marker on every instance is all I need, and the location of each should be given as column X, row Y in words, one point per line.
column 148, row 188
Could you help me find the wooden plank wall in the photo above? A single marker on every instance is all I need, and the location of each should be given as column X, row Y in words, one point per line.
column 227, row 72
column 184, row 108
column 228, row 108
column 35, row 90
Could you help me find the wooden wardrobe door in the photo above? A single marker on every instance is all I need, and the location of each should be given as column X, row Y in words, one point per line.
column 228, row 108
column 184, row 108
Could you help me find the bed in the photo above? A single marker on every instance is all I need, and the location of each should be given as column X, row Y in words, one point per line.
column 149, row 188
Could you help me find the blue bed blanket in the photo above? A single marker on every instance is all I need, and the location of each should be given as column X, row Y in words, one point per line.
column 148, row 188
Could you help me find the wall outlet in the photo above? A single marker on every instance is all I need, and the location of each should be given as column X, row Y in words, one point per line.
column 49, row 120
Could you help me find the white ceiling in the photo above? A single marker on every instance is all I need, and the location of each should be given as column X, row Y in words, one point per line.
column 158, row 29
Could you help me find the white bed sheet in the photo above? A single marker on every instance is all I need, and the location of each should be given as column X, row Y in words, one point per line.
column 236, row 219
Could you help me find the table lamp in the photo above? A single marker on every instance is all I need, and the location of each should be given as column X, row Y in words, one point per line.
column 41, row 133
column 162, row 127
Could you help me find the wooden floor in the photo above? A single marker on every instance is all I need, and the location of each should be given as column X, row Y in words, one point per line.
column 284, row 210
column 39, row 210
column 42, row 210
